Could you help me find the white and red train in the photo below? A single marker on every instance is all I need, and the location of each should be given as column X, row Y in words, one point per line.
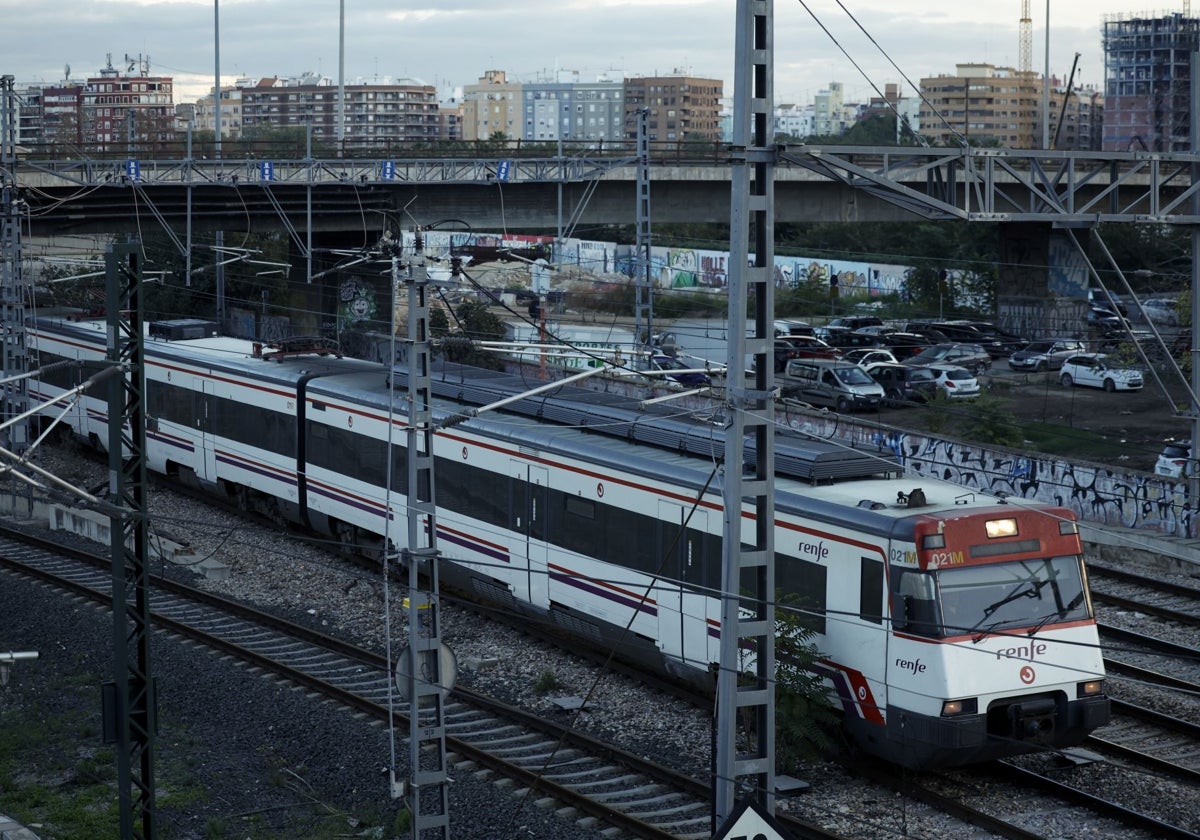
column 953, row 627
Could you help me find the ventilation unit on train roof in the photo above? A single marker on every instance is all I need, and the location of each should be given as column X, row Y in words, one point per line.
column 182, row 329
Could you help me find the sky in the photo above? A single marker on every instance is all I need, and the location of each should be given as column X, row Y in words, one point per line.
column 863, row 44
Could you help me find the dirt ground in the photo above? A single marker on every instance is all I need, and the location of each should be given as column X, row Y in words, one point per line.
column 1137, row 423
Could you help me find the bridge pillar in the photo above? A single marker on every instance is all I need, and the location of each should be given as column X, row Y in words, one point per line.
column 1043, row 281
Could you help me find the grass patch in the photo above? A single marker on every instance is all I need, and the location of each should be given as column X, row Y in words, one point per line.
column 1054, row 439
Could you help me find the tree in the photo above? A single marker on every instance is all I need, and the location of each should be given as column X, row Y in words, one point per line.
column 478, row 324
column 805, row 721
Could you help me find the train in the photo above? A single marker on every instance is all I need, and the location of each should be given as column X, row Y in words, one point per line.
column 952, row 627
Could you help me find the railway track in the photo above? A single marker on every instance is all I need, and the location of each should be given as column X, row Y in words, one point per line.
column 640, row 798
column 1127, row 590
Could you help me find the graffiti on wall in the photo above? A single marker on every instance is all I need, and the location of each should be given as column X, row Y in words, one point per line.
column 1096, row 493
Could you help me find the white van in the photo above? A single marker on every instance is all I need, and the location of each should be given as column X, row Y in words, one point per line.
column 833, row 383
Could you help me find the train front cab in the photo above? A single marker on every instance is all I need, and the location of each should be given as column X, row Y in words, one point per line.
column 993, row 649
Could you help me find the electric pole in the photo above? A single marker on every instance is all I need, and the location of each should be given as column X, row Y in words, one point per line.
column 748, row 556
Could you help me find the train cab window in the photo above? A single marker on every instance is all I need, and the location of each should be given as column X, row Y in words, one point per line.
column 915, row 607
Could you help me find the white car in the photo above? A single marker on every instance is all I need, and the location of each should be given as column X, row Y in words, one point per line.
column 1175, row 460
column 954, row 382
column 1092, row 370
column 864, row 357
column 1161, row 311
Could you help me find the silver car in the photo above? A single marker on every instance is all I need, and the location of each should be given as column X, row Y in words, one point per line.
column 1047, row 354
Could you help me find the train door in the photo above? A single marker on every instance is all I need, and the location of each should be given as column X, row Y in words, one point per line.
column 206, row 453
column 528, row 517
column 861, row 628
column 683, row 609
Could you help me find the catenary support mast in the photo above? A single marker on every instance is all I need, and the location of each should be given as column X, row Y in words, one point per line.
column 14, row 291
column 643, row 309
column 131, row 704
column 748, row 558
column 428, row 796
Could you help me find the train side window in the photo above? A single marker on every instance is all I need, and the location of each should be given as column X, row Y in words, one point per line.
column 870, row 594
column 914, row 608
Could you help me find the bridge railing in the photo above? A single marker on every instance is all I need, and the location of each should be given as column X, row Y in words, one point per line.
column 297, row 148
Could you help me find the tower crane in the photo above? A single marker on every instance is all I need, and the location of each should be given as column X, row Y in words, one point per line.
column 1025, row 52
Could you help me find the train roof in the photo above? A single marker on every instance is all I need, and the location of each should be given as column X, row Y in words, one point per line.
column 700, row 432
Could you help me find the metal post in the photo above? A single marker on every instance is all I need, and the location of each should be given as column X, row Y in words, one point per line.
column 187, row 180
column 643, row 284
column 217, row 79
column 1194, row 474
column 1046, row 86
column 748, row 555
column 428, row 796
column 132, row 709
column 308, row 190
column 341, row 135
column 14, row 290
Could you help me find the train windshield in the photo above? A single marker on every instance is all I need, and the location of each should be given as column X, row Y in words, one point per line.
column 1026, row 593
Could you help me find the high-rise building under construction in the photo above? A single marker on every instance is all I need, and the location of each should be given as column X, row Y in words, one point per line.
column 1147, row 82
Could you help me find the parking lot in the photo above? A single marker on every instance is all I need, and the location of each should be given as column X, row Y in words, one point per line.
column 1140, row 421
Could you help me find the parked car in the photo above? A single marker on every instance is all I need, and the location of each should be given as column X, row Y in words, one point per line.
column 856, row 322
column 954, row 382
column 801, row 347
column 929, row 330
column 835, row 384
column 874, row 329
column 864, row 356
column 845, row 338
column 1002, row 343
column 789, row 326
column 1092, row 370
column 903, row 384
column 970, row 356
column 1161, row 311
column 965, row 332
column 1099, row 318
column 904, row 344
column 1175, row 460
column 1046, row 354
column 690, row 377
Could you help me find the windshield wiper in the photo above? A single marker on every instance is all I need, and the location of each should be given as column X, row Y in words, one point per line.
column 1033, row 590
column 1061, row 613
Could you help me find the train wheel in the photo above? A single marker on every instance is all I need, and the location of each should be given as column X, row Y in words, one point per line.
column 346, row 537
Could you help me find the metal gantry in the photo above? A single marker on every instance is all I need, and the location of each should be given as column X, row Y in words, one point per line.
column 745, row 689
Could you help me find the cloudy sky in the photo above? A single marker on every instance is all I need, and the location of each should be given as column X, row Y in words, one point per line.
column 452, row 42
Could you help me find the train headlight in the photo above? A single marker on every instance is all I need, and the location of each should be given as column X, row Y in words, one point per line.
column 1068, row 527
column 931, row 541
column 1000, row 528
column 1089, row 688
column 953, row 708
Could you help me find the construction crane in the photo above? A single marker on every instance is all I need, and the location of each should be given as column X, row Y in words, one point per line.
column 1025, row 52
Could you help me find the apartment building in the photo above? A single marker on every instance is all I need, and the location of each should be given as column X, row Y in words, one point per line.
column 493, row 106
column 680, row 107
column 569, row 109
column 126, row 107
column 982, row 104
column 373, row 114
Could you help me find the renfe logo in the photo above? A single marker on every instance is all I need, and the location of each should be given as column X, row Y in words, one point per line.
column 818, row 549
column 1028, row 651
column 916, row 666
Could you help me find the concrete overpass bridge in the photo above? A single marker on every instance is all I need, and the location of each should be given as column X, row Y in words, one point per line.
column 812, row 183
